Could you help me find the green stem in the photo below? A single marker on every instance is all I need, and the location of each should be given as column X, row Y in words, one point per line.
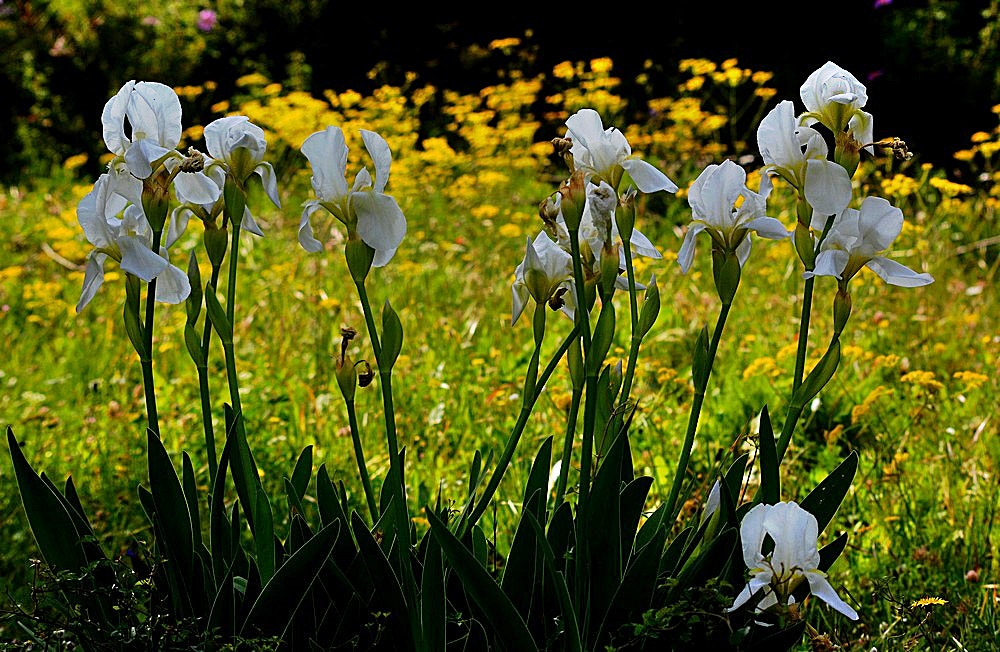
column 231, row 287
column 800, row 354
column 359, row 455
column 699, row 399
column 567, row 453
column 581, row 313
column 515, row 435
column 152, row 417
column 203, row 388
column 633, row 352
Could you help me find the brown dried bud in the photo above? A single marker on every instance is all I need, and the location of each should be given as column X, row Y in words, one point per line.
column 195, row 161
column 366, row 376
column 556, row 301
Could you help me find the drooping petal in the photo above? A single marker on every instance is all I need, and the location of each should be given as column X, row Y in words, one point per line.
column 756, row 583
column 138, row 259
column 172, row 285
column 648, row 178
column 830, row 262
column 378, row 149
column 382, row 257
column 327, row 154
column 820, row 587
column 177, row 224
column 91, row 213
column 879, row 222
column 93, row 278
column 641, row 244
column 306, row 237
column 743, row 250
column 143, row 156
column 248, row 223
column 898, row 274
column 269, row 181
column 194, row 187
column 686, row 254
column 768, row 227
column 381, row 223
column 827, row 186
column 519, row 299
column 863, row 128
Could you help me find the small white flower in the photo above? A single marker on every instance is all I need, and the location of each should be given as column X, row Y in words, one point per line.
column 210, row 209
column 834, row 97
column 713, row 198
column 858, row 238
column 364, row 207
column 546, row 268
column 240, row 145
column 604, row 153
column 794, row 558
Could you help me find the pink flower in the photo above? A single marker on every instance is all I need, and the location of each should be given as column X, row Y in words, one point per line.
column 206, row 20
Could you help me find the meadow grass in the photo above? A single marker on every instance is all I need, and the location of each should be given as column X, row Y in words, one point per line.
column 915, row 395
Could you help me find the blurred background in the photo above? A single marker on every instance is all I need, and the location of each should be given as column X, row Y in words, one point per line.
column 931, row 67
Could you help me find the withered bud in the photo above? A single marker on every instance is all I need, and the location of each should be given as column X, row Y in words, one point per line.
column 367, row 375
column 194, row 162
column 556, row 301
column 548, row 210
column 897, row 146
column 562, row 145
column 347, row 334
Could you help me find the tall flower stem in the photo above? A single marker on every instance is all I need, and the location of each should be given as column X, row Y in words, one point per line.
column 576, row 354
column 699, row 399
column 359, row 455
column 203, row 387
column 803, row 343
column 522, row 420
column 146, row 362
column 633, row 352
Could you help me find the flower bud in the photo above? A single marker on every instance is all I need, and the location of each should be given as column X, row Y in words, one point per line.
column 359, row 257
column 574, row 197
column 156, row 199
column 848, row 152
column 625, row 214
column 803, row 241
column 216, row 243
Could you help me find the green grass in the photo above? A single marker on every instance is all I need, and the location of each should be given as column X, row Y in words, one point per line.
column 922, row 510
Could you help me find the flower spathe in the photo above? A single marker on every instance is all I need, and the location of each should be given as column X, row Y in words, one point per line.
column 713, row 199
column 363, row 208
column 126, row 239
column 857, row 239
column 603, row 154
column 794, row 558
column 834, row 97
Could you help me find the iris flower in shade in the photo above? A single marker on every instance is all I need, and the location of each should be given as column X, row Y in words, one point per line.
column 546, row 272
column 127, row 239
column 363, row 208
column 794, row 558
column 834, row 97
column 603, row 154
column 858, row 238
column 713, row 198
column 153, row 111
column 239, row 145
column 798, row 155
